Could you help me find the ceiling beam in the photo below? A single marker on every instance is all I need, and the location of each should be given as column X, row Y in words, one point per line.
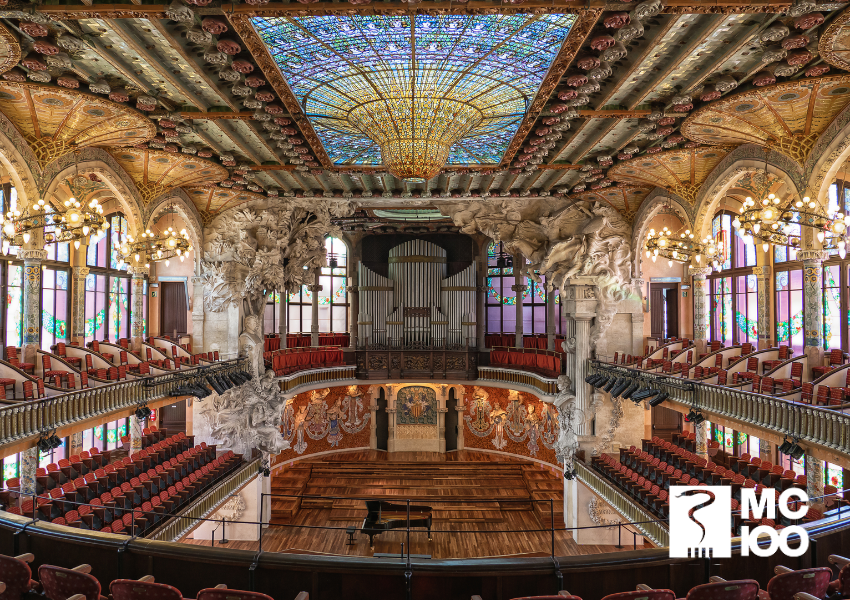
column 157, row 11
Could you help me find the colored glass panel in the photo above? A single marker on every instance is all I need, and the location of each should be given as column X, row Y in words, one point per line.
column 14, row 306
column 833, row 475
column 831, row 307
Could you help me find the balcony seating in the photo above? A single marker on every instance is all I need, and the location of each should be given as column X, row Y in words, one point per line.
column 713, row 347
column 61, row 584
column 784, row 354
column 48, row 371
column 834, row 359
column 72, row 360
column 841, row 584
column 12, row 357
column 284, row 362
column 15, row 572
column 94, row 346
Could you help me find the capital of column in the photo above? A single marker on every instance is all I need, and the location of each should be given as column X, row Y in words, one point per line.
column 197, row 280
column 812, row 255
column 32, row 254
column 699, row 272
column 80, row 272
column 352, row 289
column 763, row 271
column 518, row 288
column 138, row 271
column 315, row 288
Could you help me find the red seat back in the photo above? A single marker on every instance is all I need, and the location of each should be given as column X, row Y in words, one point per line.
column 812, row 581
column 60, row 584
column 744, row 589
column 220, row 594
column 642, row 595
column 15, row 574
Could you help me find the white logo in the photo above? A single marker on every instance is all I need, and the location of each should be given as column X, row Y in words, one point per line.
column 701, row 521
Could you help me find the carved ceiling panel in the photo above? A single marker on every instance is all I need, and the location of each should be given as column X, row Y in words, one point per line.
column 10, row 50
column 788, row 116
column 53, row 119
column 626, row 199
column 679, row 171
column 834, row 45
column 155, row 172
column 212, row 200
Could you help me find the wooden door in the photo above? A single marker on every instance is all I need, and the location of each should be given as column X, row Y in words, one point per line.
column 451, row 421
column 173, row 308
column 665, row 422
column 656, row 307
column 671, row 296
column 173, row 417
column 382, row 422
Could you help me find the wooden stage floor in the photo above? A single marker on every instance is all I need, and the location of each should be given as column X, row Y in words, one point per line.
column 468, row 490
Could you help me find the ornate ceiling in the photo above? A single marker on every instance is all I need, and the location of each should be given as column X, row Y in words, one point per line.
column 222, row 88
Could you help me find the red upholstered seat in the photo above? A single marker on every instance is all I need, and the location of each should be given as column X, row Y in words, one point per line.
column 14, row 359
column 786, row 585
column 841, row 584
column 60, row 584
column 17, row 576
column 225, row 594
column 744, row 589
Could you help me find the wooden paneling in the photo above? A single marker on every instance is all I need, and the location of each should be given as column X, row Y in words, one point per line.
column 173, row 307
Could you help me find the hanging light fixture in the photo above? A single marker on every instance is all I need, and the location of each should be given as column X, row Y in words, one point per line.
column 151, row 247
column 679, row 246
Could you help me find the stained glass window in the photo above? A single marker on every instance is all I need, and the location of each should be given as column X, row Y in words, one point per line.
column 789, row 308
column 108, row 297
column 119, row 308
column 746, row 305
column 14, row 305
column 783, row 253
column 501, row 299
column 334, row 64
column 95, row 307
column 332, row 301
column 10, row 467
column 721, row 309
column 57, row 252
column 831, row 307
column 54, row 307
column 118, row 231
column 833, row 475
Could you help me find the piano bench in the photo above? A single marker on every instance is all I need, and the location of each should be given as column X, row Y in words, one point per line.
column 350, row 531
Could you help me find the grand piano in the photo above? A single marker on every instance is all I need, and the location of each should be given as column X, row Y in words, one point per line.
column 384, row 516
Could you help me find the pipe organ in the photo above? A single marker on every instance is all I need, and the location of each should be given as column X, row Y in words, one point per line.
column 417, row 306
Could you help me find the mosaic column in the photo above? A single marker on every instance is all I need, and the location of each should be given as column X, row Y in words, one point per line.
column 314, row 322
column 700, row 291
column 32, row 301
column 481, row 302
column 136, row 435
column 197, row 314
column 701, row 431
column 78, row 305
column 518, row 288
column 137, row 314
column 551, row 315
column 814, row 481
column 75, row 443
column 813, row 304
column 765, row 320
column 765, row 450
column 29, row 464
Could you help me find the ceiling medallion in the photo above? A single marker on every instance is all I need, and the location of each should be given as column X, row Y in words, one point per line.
column 415, row 93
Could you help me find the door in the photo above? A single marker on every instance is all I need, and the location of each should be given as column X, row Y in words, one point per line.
column 671, row 296
column 451, row 421
column 656, row 307
column 665, row 422
column 173, row 308
column 173, row 417
column 382, row 422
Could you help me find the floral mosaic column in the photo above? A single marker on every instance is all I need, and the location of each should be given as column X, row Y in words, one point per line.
column 136, row 435
column 700, row 287
column 137, row 323
column 78, row 305
column 32, row 301
column 765, row 450
column 764, row 324
column 813, row 303
column 29, row 464
column 814, row 481
column 701, row 440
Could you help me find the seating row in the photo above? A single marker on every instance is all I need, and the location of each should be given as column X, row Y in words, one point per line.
column 283, row 362
column 530, row 360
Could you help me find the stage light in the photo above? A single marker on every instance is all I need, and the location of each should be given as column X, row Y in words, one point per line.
column 659, row 399
column 785, row 446
column 796, row 452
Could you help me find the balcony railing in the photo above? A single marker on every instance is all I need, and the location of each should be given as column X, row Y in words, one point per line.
column 817, row 425
column 32, row 417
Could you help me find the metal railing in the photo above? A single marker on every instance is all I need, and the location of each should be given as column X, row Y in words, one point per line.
column 816, row 425
column 32, row 417
column 645, row 522
column 207, row 504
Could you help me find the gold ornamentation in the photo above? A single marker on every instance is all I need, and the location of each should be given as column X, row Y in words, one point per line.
column 10, row 50
column 834, row 44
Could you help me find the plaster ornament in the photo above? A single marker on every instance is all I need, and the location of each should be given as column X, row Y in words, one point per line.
column 653, row 150
column 189, row 150
column 602, row 42
column 45, row 47
column 255, row 81
column 645, row 125
column 265, row 96
column 60, row 60
column 199, row 36
column 67, row 81
column 214, row 25
column 177, row 11
column 252, row 103
column 795, row 41
column 228, row 74
column 631, row 149
column 817, row 70
column 159, row 144
column 566, row 95
column 783, row 69
column 214, row 57
column 709, row 93
column 33, row 17
column 242, row 66
column 579, row 100
column 725, row 83
column 603, row 71
column 616, row 20
column 591, row 87
column 774, row 33
column 229, row 47
column 809, row 20
column 248, row 416
column 614, row 53
column 562, row 126
column 576, row 80
column 801, row 7
column 682, row 108
column 646, row 10
column 35, row 30
column 655, row 115
column 240, row 90
column 587, row 62
column 15, row 74
column 763, row 78
column 234, row 508
column 40, row 76
column 274, row 109
column 773, row 54
column 798, row 57
column 146, row 103
column 558, row 108
column 184, row 129
column 269, row 126
column 68, row 42
column 629, row 32
column 256, row 2
column 34, row 64
column 173, row 148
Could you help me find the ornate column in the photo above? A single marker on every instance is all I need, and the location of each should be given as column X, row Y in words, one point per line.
column 814, row 481
column 551, row 315
column 75, row 443
column 78, row 305
column 353, row 310
column 579, row 301
column 137, row 322
column 136, row 435
column 765, row 450
column 282, row 317
column 29, row 464
column 461, row 424
column 813, row 304
column 765, row 319
column 518, row 288
column 197, row 314
column 391, row 420
column 581, row 353
column 481, row 301
column 32, row 258
column 700, row 291
column 441, row 419
column 314, row 321
column 373, row 410
column 701, row 431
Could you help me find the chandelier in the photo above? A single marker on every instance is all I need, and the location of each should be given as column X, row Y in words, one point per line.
column 675, row 247
column 151, row 247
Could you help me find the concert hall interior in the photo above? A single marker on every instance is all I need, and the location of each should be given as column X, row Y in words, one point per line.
column 414, row 299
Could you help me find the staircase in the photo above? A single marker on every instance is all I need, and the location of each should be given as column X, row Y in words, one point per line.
column 458, row 492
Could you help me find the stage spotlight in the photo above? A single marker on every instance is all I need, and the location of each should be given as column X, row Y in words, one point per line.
column 659, row 399
column 630, row 390
column 44, row 445
column 690, row 416
column 619, row 389
column 796, row 452
column 590, row 378
column 611, row 384
column 698, row 418
column 785, row 446
column 643, row 395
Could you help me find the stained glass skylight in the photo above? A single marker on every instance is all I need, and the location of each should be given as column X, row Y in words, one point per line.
column 337, row 65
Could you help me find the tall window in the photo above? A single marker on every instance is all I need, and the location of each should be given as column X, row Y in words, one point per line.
column 833, row 332
column 55, row 307
column 789, row 309
column 271, row 316
column 501, row 299
column 108, row 287
column 14, row 304
column 734, row 290
column 332, row 301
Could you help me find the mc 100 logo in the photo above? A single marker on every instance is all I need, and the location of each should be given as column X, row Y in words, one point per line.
column 701, row 521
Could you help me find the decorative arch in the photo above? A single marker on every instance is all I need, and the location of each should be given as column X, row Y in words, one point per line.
column 748, row 158
column 658, row 199
column 830, row 151
column 96, row 160
column 190, row 215
column 18, row 159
